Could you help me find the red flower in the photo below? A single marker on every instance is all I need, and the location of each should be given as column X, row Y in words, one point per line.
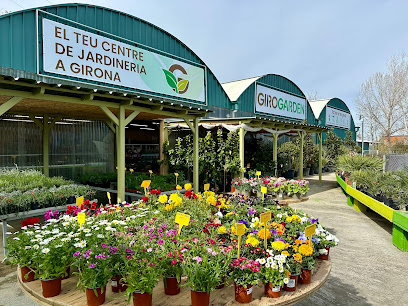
column 30, row 221
column 144, row 199
column 174, row 262
column 93, row 205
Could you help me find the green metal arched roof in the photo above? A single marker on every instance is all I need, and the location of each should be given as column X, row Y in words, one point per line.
column 18, row 33
column 242, row 92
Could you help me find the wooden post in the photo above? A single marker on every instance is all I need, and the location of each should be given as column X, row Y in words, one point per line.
column 195, row 156
column 120, row 141
column 300, row 133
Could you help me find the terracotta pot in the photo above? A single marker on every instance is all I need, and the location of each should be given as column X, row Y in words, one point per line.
column 273, row 291
column 117, row 284
column 142, row 299
column 199, row 298
column 305, row 276
column 171, row 286
column 26, row 271
column 232, row 189
column 242, row 294
column 68, row 271
column 94, row 300
column 51, row 287
column 293, row 281
column 324, row 257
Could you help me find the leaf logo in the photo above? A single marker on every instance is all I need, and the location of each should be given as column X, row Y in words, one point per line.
column 179, row 85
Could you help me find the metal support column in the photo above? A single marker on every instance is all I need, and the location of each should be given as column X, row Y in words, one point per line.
column 301, row 135
column 319, row 135
column 120, row 134
column 196, row 165
column 275, row 152
column 162, row 140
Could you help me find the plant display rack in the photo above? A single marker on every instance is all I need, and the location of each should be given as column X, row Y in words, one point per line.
column 361, row 201
column 71, row 295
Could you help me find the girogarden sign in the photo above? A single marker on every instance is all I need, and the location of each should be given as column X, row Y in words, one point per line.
column 278, row 103
column 338, row 118
column 69, row 51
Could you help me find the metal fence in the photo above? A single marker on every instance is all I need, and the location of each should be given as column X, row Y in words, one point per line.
column 396, row 162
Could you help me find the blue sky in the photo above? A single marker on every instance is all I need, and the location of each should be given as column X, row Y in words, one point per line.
column 330, row 47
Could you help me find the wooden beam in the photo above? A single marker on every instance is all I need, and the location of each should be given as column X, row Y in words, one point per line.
column 111, row 115
column 87, row 97
column 52, row 123
column 110, row 125
column 131, row 117
column 36, row 121
column 9, row 104
column 39, row 90
column 190, row 125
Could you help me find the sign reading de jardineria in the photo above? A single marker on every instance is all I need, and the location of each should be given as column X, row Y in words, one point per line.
column 69, row 51
column 274, row 102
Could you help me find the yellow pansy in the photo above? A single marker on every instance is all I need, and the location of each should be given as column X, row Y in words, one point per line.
column 187, row 186
column 163, row 198
column 222, row 230
column 178, row 187
column 211, row 200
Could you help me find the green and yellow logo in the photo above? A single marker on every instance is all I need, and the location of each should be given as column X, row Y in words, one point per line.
column 179, row 85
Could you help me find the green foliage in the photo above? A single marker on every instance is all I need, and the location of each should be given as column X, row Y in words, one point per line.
column 349, row 142
column 133, row 180
column 218, row 153
column 288, row 156
column 260, row 156
column 22, row 190
column 333, row 147
column 350, row 164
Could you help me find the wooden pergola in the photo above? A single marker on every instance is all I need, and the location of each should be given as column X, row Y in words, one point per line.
column 117, row 108
column 273, row 126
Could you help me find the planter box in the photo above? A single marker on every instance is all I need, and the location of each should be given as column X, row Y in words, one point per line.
column 400, row 230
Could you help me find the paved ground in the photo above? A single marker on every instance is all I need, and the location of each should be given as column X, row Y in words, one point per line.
column 367, row 269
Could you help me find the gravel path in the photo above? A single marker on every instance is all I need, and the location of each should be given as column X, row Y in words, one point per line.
column 367, row 269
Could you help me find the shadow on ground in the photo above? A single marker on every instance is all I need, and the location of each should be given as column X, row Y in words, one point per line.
column 331, row 292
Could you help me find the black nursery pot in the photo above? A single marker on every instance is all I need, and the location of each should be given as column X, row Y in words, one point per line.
column 34, row 205
column 290, row 174
column 71, row 200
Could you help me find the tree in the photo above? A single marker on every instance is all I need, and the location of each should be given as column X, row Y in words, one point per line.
column 382, row 98
column 313, row 95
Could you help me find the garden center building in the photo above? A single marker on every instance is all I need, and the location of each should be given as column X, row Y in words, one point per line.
column 75, row 78
column 335, row 114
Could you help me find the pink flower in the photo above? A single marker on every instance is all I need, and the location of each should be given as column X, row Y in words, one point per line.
column 160, row 242
column 198, row 259
column 91, row 266
column 174, row 262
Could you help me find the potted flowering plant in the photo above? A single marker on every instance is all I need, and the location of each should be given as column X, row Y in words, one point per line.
column 21, row 251
column 279, row 186
column 275, row 273
column 303, row 187
column 205, row 264
column 308, row 261
column 93, row 269
column 245, row 273
column 325, row 241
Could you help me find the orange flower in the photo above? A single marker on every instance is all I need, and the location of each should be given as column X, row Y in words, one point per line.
column 261, row 234
column 287, row 273
column 305, row 250
column 297, row 257
column 285, row 253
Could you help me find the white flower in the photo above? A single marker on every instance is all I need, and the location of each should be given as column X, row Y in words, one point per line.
column 281, row 269
column 286, row 280
column 100, row 236
column 16, row 238
column 29, row 233
column 274, row 266
column 267, row 265
column 269, row 260
column 46, row 250
column 27, row 247
column 58, row 246
column 219, row 215
column 323, row 252
column 87, row 230
column 24, row 228
column 65, row 224
column 262, row 261
column 55, row 231
column 87, row 235
column 35, row 246
column 76, row 239
column 38, row 236
column 82, row 244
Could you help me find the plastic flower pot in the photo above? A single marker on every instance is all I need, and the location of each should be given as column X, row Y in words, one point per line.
column 324, row 256
column 232, row 189
column 200, row 298
column 291, row 285
column 93, row 299
column 117, row 284
column 297, row 196
column 51, row 287
column 305, row 276
column 273, row 291
column 242, row 294
column 68, row 273
column 142, row 299
column 26, row 271
column 171, row 286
